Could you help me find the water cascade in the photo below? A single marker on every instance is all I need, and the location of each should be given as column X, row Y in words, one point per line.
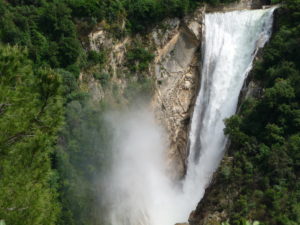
column 139, row 190
column 231, row 41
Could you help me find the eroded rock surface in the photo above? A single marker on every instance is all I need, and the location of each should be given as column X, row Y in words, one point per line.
column 177, row 67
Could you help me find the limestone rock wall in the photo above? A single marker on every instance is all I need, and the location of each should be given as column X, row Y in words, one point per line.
column 177, row 69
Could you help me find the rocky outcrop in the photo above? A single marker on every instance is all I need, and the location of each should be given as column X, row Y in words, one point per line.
column 115, row 49
column 177, row 67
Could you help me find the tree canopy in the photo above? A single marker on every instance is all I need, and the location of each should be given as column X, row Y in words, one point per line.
column 28, row 100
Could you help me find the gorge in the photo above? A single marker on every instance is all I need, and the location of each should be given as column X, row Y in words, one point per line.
column 140, row 191
column 149, row 112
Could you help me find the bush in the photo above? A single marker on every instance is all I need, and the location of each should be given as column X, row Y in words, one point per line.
column 69, row 49
column 138, row 59
column 95, row 57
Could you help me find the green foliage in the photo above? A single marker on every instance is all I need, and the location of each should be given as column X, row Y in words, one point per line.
column 69, row 51
column 142, row 14
column 31, row 115
column 138, row 59
column 82, row 157
column 95, row 57
column 45, row 28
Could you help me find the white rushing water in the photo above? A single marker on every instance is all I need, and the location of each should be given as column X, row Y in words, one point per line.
column 139, row 190
column 231, row 41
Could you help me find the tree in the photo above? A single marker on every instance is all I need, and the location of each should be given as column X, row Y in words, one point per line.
column 30, row 117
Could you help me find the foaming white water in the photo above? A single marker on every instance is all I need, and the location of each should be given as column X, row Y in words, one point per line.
column 139, row 190
column 231, row 41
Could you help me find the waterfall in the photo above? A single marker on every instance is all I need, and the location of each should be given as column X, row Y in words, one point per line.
column 139, row 190
column 231, row 41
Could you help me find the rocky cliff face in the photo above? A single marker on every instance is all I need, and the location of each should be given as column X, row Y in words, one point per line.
column 176, row 69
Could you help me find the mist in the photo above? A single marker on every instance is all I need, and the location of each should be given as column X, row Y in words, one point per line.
column 138, row 189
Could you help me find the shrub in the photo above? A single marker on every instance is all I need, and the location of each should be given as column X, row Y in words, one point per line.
column 95, row 57
column 138, row 59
